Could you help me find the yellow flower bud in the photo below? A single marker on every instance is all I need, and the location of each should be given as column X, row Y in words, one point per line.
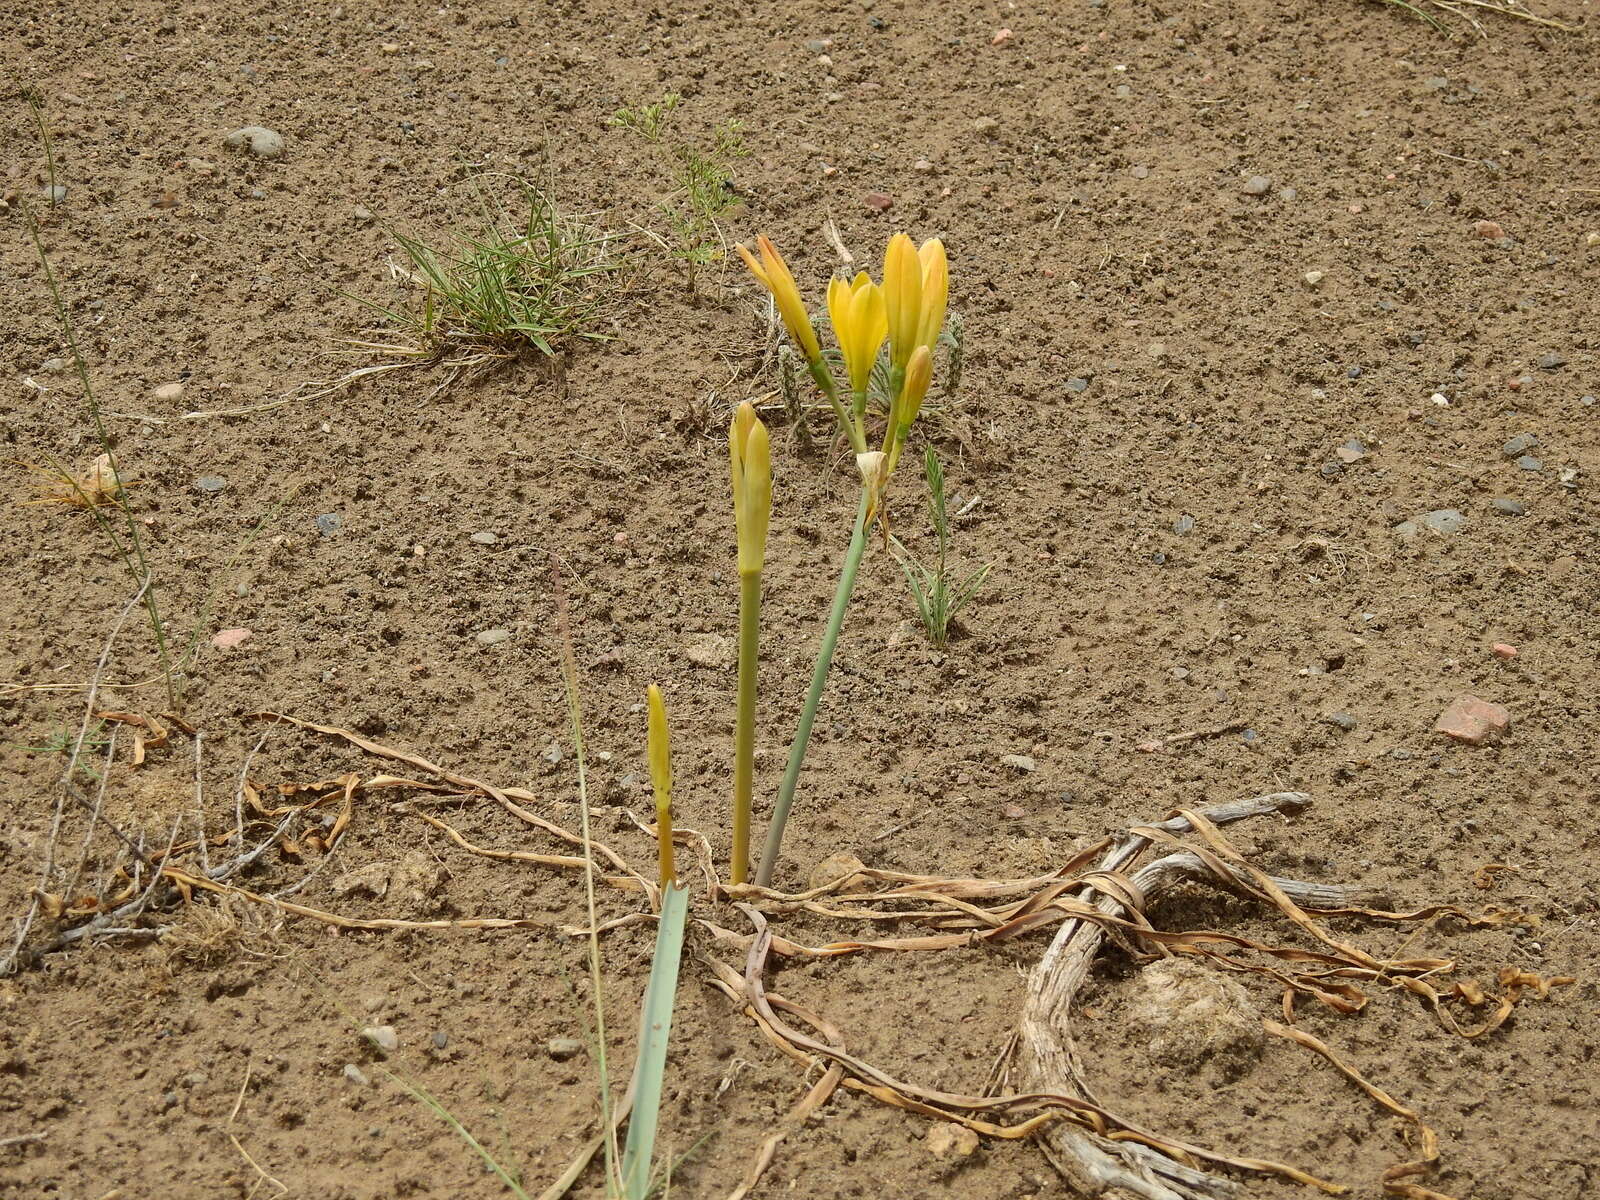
column 659, row 746
column 860, row 324
column 935, row 291
column 902, row 297
column 919, row 373
column 750, row 453
column 776, row 277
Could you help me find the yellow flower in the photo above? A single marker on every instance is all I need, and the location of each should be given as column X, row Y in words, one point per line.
column 902, row 297
column 860, row 323
column 919, row 373
column 658, row 743
column 750, row 453
column 775, row 276
column 935, row 291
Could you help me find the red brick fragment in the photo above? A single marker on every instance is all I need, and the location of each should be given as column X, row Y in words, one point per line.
column 1474, row 721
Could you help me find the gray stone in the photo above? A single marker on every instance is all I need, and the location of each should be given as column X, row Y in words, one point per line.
column 1019, row 762
column 563, row 1048
column 1288, row 193
column 1331, row 469
column 257, row 140
column 55, row 193
column 485, row 538
column 1529, row 463
column 1141, row 172
column 1508, row 507
column 52, row 365
column 1443, row 520
column 1353, row 373
column 362, row 214
column 211, row 483
column 1552, row 361
column 1519, row 445
column 1077, row 384
column 328, row 524
column 552, row 753
column 818, row 45
column 1342, row 719
column 383, row 1037
column 493, row 637
column 1183, row 525
column 1588, row 401
column 985, row 125
column 440, row 1040
column 1351, row 452
column 1257, row 185
column 356, row 1075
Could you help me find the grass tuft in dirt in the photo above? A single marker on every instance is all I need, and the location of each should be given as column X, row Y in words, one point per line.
column 500, row 288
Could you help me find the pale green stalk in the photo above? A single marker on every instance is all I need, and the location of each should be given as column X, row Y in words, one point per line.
column 744, row 732
column 819, row 679
column 819, row 372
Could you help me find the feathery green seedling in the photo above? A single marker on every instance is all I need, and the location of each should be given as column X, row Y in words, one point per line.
column 64, row 741
column 937, row 597
column 702, row 179
column 503, row 289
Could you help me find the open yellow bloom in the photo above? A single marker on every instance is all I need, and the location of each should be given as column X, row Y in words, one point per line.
column 750, row 453
column 776, row 277
column 659, row 746
column 935, row 291
column 860, row 323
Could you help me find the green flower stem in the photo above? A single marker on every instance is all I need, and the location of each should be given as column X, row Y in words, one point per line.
column 819, row 678
column 819, row 372
column 744, row 731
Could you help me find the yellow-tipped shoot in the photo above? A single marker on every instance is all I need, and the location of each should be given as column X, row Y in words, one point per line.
column 860, row 325
column 776, row 277
column 935, row 291
column 750, row 453
column 658, row 742
column 919, row 373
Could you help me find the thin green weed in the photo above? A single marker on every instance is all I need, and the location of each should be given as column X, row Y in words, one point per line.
column 939, row 598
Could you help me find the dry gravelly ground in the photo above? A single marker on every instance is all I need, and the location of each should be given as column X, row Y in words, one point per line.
column 1088, row 177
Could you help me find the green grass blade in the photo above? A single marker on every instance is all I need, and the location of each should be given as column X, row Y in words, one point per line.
column 655, row 1029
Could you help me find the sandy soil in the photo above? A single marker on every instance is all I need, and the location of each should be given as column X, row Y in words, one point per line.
column 1162, row 368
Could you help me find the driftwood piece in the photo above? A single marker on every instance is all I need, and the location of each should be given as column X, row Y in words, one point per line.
column 1093, row 1165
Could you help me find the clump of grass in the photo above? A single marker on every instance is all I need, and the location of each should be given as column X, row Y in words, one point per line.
column 1465, row 10
column 702, row 182
column 939, row 597
column 499, row 288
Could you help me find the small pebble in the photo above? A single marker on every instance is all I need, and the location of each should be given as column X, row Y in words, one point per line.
column 258, row 140
column 1353, row 373
column 1352, row 451
column 1508, row 507
column 1077, row 384
column 1288, row 193
column 362, row 214
column 1013, row 812
column 1183, row 525
column 563, row 1048
column 168, row 393
column 1019, row 762
column 1504, row 651
column 923, row 165
column 328, row 524
column 1331, row 470
column 552, row 753
column 1257, row 185
column 1519, row 445
column 1552, row 361
column 1444, row 520
column 1588, row 401
column 440, row 1040
column 383, row 1037
column 1140, row 172
column 1313, row 278
column 1529, row 463
column 211, row 483
column 878, row 201
column 485, row 537
column 53, row 365
column 356, row 1075
column 493, row 637
column 1342, row 719
column 1489, row 230
column 985, row 125
column 55, row 193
